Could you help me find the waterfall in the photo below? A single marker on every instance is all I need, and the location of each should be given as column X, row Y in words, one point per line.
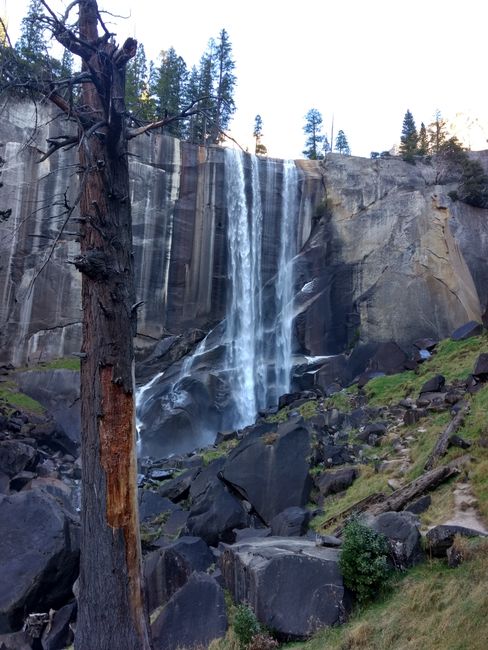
column 284, row 279
column 244, row 364
column 250, row 348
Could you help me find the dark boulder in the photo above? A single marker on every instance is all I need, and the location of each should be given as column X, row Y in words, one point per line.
column 215, row 513
column 388, row 358
column 402, row 532
column 178, row 489
column 420, row 505
column 58, row 633
column 466, row 331
column 292, row 522
column 151, row 504
column 333, row 455
column 480, row 371
column 433, row 385
column 251, row 533
column 377, row 429
column 168, row 568
column 425, row 344
column 334, row 482
column 440, row 538
column 367, row 375
column 38, row 556
column 15, row 457
column 193, row 618
column 271, row 472
column 16, row 641
column 293, row 586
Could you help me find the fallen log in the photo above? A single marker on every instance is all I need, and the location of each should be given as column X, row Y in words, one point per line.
column 377, row 503
column 428, row 481
column 442, row 443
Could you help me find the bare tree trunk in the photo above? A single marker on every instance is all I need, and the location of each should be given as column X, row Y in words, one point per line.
column 111, row 612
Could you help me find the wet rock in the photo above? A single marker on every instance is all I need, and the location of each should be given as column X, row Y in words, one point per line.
column 193, row 618
column 38, row 556
column 293, row 586
column 292, row 522
column 466, row 331
column 168, row 568
column 178, row 489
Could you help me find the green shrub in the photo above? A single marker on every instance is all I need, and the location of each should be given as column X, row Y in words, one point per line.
column 246, row 625
column 364, row 560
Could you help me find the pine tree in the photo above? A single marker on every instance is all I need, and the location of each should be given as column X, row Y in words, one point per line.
column 409, row 138
column 136, row 86
column 259, row 148
column 224, row 86
column 312, row 129
column 341, row 144
column 169, row 88
column 326, row 145
column 191, row 94
column 437, row 133
column 31, row 45
column 423, row 142
column 205, row 89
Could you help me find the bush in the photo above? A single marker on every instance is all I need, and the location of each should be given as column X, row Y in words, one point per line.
column 246, row 625
column 364, row 560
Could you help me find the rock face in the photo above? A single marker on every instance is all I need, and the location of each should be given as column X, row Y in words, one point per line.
column 38, row 556
column 293, row 586
column 384, row 233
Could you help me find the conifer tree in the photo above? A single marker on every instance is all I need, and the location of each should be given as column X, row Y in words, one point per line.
column 312, row 129
column 341, row 144
column 224, row 86
column 31, row 45
column 437, row 133
column 409, row 138
column 169, row 89
column 136, row 82
column 259, row 148
column 423, row 142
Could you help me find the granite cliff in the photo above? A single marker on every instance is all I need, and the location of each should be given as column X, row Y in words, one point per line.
column 382, row 253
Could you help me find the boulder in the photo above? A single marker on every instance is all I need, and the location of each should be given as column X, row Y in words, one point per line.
column 193, row 618
column 215, row 513
column 440, row 538
column 178, row 489
column 403, row 535
column 466, row 331
column 292, row 522
column 433, row 385
column 480, row 371
column 16, row 641
column 38, row 556
column 151, row 504
column 388, row 358
column 420, row 505
column 168, row 568
column 58, row 634
column 425, row 344
column 15, row 457
column 333, row 482
column 377, row 429
column 271, row 472
column 333, row 455
column 293, row 586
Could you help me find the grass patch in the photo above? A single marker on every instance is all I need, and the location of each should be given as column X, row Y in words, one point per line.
column 217, row 452
column 453, row 359
column 12, row 399
column 340, row 401
column 368, row 482
column 442, row 506
column 66, row 363
column 431, row 607
column 425, row 433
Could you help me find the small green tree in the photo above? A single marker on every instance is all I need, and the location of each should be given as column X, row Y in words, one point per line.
column 341, row 144
column 364, row 560
column 473, row 188
column 409, row 138
column 423, row 143
column 246, row 625
column 312, row 129
column 259, row 148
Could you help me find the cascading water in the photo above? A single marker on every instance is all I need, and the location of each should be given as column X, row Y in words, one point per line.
column 246, row 361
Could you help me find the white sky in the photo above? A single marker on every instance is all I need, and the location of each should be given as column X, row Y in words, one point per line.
column 363, row 61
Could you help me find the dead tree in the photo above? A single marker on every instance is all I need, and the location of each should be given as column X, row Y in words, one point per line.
column 111, row 610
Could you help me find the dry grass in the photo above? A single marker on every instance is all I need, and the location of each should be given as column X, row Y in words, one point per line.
column 431, row 608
